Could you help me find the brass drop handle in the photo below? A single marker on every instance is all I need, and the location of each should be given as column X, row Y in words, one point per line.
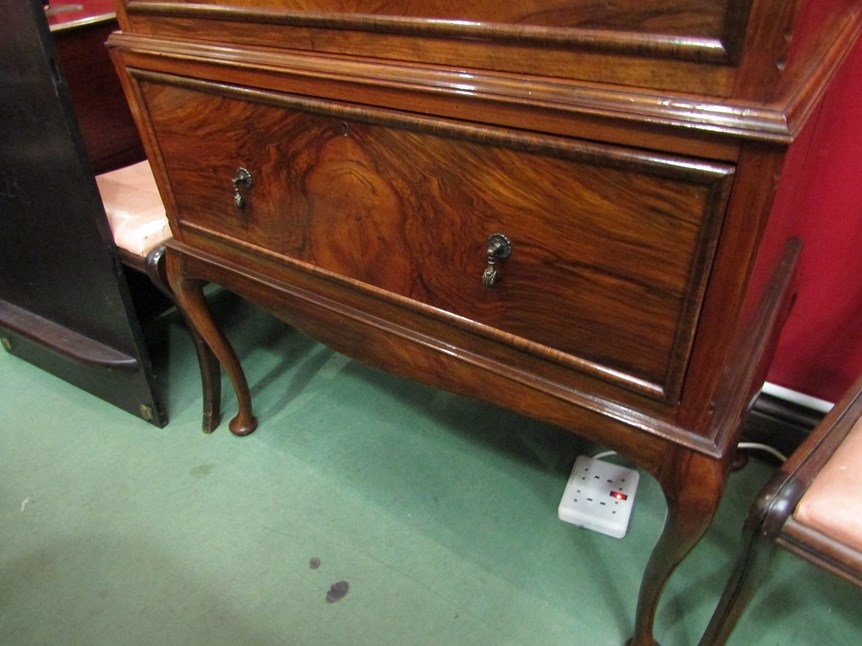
column 242, row 180
column 499, row 248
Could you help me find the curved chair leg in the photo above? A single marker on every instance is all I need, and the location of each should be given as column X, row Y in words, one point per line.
column 209, row 365
column 211, row 379
column 692, row 485
column 189, row 294
column 762, row 526
column 750, row 569
column 154, row 265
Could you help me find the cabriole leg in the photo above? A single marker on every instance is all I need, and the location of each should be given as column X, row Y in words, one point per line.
column 692, row 485
column 189, row 294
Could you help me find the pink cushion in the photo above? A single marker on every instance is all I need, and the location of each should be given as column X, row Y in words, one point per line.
column 134, row 208
column 832, row 505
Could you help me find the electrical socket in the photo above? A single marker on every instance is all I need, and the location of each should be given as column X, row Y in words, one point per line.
column 599, row 496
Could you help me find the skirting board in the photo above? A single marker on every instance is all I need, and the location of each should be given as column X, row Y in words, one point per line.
column 796, row 398
column 782, row 418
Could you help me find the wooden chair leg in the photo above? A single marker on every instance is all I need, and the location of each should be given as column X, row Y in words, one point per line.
column 154, row 266
column 749, row 570
column 210, row 369
column 190, row 299
column 211, row 380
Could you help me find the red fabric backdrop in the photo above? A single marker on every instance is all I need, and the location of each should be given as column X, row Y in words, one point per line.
column 820, row 351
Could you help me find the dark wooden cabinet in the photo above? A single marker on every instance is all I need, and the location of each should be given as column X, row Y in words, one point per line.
column 79, row 32
column 559, row 207
column 65, row 304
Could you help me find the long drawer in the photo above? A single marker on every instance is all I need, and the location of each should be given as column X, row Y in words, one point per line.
column 610, row 248
column 699, row 46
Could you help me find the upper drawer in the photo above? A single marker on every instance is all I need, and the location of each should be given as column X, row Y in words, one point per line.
column 691, row 18
column 693, row 46
column 611, row 247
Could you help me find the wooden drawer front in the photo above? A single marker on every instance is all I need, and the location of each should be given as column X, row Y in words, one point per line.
column 611, row 248
column 676, row 45
column 691, row 18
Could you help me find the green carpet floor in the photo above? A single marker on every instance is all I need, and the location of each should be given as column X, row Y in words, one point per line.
column 439, row 514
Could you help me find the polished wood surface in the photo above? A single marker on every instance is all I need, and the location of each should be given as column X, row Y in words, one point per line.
column 407, row 206
column 691, row 46
column 101, row 110
column 630, row 157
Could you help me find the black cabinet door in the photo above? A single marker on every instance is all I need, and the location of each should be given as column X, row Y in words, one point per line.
column 64, row 302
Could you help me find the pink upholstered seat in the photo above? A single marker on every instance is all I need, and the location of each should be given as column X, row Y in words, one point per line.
column 832, row 505
column 134, row 208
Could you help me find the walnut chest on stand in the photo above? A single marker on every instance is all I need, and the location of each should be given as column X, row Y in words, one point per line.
column 561, row 207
